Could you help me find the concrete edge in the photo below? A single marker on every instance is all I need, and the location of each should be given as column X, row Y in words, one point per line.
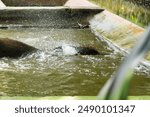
column 80, row 3
column 119, row 31
column 56, row 7
column 62, row 16
column 2, row 4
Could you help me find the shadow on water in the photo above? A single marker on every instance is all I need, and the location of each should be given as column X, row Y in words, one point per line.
column 47, row 73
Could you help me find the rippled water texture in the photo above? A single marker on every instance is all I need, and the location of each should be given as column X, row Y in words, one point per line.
column 47, row 73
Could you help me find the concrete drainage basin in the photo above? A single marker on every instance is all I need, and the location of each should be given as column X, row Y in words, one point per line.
column 53, row 73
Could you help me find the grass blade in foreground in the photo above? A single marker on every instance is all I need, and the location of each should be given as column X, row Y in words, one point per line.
column 117, row 87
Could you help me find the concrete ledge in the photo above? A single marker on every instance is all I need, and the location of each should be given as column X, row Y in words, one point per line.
column 46, row 16
column 34, row 2
column 80, row 3
column 117, row 30
column 74, row 14
column 72, row 3
column 2, row 4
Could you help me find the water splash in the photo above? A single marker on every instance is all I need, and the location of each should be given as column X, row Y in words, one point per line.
column 68, row 50
column 49, row 73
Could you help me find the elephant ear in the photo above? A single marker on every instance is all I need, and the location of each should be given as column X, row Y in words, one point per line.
column 14, row 49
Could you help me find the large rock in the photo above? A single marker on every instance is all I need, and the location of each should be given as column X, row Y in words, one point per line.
column 14, row 49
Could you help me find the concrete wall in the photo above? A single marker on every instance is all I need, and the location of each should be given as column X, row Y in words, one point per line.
column 62, row 17
column 73, row 14
column 79, row 3
column 34, row 2
column 117, row 31
column 2, row 4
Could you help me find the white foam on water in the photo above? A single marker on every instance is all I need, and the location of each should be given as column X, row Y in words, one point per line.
column 3, row 65
column 68, row 50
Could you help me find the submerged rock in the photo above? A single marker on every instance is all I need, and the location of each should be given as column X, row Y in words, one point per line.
column 14, row 49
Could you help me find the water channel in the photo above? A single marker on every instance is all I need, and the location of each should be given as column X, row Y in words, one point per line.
column 48, row 73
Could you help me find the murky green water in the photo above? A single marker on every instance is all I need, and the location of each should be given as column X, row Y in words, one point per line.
column 46, row 73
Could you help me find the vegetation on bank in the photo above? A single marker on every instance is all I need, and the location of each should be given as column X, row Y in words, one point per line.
column 66, row 98
column 144, row 3
column 135, row 13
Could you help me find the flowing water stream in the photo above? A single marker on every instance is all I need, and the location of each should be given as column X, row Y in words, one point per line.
column 47, row 73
